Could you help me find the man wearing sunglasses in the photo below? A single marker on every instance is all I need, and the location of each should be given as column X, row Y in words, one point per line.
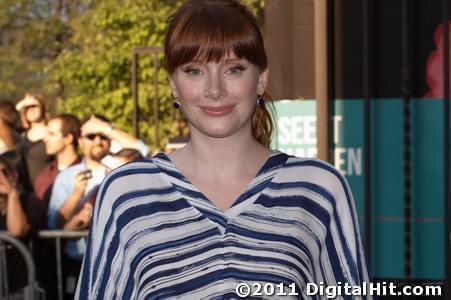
column 73, row 184
column 69, row 189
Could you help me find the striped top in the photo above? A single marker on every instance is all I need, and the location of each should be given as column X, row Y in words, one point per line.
column 155, row 236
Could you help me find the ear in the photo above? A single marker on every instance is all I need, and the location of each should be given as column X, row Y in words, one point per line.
column 80, row 143
column 262, row 82
column 173, row 86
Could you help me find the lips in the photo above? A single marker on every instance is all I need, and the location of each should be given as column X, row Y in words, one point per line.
column 217, row 111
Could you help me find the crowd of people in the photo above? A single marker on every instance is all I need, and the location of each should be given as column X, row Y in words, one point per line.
column 50, row 171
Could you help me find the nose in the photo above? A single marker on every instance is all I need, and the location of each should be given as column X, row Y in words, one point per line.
column 98, row 140
column 215, row 88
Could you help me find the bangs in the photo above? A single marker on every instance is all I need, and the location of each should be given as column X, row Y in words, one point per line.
column 210, row 35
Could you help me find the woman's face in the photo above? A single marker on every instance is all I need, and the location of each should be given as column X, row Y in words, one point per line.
column 219, row 99
column 33, row 113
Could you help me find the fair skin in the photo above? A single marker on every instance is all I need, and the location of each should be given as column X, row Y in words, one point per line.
column 16, row 221
column 59, row 145
column 125, row 139
column 218, row 100
column 93, row 150
column 33, row 115
column 6, row 135
column 80, row 220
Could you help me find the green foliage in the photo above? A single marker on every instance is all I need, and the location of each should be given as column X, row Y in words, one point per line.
column 96, row 69
column 81, row 54
column 32, row 34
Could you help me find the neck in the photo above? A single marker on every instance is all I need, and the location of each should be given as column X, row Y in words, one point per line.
column 229, row 154
column 37, row 131
column 66, row 157
column 38, row 124
column 93, row 164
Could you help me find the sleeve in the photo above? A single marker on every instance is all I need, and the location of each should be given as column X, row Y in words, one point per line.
column 96, row 259
column 345, row 251
column 60, row 191
column 104, row 261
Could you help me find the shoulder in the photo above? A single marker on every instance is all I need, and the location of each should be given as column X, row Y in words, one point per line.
column 72, row 170
column 312, row 165
column 316, row 173
column 65, row 176
column 131, row 177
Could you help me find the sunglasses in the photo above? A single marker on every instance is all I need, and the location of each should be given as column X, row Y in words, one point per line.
column 31, row 106
column 92, row 136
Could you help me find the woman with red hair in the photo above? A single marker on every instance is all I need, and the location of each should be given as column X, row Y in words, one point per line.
column 225, row 214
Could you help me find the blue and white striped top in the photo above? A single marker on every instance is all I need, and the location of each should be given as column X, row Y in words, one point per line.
column 155, row 236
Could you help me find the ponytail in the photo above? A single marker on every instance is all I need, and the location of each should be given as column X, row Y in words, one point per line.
column 262, row 122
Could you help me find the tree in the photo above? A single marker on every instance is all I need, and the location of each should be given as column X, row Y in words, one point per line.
column 32, row 34
column 95, row 69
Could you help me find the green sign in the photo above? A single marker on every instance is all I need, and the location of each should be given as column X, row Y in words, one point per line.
column 296, row 134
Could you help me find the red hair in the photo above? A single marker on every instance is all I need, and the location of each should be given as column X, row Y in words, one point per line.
column 207, row 30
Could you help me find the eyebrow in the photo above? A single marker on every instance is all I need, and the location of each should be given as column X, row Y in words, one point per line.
column 226, row 61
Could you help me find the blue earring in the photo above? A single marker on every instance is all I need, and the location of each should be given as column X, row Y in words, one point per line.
column 176, row 104
column 260, row 101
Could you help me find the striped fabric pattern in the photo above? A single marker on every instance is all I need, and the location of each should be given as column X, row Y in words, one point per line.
column 155, row 236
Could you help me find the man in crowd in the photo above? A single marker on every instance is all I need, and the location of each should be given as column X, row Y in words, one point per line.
column 61, row 141
column 66, row 209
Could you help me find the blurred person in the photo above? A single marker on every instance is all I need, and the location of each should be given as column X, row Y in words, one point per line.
column 12, row 144
column 9, row 122
column 69, row 188
column 61, row 141
column 225, row 209
column 72, row 185
column 434, row 66
column 120, row 139
column 82, row 218
column 122, row 157
column 33, row 116
column 20, row 215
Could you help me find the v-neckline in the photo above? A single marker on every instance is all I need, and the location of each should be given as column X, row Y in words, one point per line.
column 275, row 160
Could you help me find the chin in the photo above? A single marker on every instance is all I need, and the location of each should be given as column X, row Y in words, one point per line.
column 97, row 156
column 218, row 132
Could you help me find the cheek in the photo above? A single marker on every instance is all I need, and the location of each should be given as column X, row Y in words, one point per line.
column 189, row 93
column 245, row 91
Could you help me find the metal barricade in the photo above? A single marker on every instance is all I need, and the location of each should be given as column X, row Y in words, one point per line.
column 32, row 290
column 58, row 235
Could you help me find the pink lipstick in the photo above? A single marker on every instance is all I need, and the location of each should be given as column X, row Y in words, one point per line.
column 217, row 111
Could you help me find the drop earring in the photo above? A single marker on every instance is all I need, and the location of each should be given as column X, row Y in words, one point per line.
column 260, row 101
column 176, row 104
